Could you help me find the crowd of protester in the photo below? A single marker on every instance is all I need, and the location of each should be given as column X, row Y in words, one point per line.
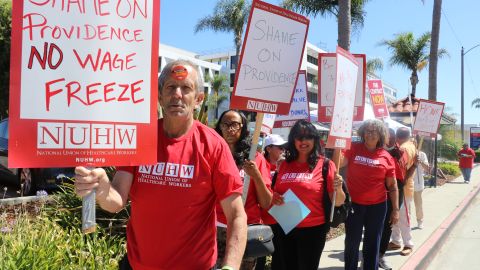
column 187, row 210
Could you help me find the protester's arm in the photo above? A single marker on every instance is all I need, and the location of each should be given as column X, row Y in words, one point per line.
column 340, row 194
column 343, row 159
column 111, row 196
column 264, row 195
column 392, row 188
column 236, row 230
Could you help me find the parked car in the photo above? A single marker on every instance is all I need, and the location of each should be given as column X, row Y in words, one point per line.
column 28, row 180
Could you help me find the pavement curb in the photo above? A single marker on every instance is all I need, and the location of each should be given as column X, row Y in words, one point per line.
column 25, row 199
column 425, row 254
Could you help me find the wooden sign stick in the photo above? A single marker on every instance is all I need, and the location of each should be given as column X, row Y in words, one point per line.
column 253, row 151
column 336, row 160
column 88, row 212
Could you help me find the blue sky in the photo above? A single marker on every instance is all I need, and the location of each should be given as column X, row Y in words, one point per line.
column 384, row 18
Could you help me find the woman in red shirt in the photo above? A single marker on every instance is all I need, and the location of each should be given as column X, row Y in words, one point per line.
column 232, row 126
column 371, row 171
column 301, row 172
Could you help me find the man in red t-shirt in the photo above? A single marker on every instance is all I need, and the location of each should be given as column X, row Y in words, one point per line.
column 466, row 155
column 172, row 221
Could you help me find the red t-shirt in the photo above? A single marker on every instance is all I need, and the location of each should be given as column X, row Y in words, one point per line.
column 172, row 221
column 466, row 162
column 266, row 217
column 252, row 207
column 367, row 172
column 308, row 186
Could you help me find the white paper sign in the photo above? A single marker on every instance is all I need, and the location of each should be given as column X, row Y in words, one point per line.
column 327, row 76
column 267, row 124
column 299, row 108
column 271, row 57
column 428, row 118
column 345, row 84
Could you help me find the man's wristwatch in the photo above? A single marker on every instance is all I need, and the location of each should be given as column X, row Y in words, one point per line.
column 226, row 267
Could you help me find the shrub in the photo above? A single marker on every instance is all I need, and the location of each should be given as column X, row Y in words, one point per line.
column 477, row 155
column 41, row 243
column 449, row 168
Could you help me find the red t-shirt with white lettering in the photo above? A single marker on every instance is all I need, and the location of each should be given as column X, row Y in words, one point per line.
column 466, row 162
column 252, row 207
column 367, row 172
column 308, row 186
column 172, row 221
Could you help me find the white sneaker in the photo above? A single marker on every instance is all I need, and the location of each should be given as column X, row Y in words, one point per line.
column 382, row 263
column 420, row 225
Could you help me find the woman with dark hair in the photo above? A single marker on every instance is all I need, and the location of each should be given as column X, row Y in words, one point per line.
column 232, row 126
column 371, row 174
column 301, row 173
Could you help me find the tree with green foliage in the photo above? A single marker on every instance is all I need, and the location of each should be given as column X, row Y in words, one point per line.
column 349, row 13
column 5, row 32
column 476, row 103
column 411, row 53
column 228, row 16
column 221, row 88
column 374, row 65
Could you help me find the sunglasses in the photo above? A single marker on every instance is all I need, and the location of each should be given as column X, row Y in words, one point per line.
column 304, row 137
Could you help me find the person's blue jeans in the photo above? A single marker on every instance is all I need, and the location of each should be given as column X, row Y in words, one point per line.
column 371, row 217
column 466, row 172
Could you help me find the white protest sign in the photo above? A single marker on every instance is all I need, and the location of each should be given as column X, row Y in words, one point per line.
column 340, row 136
column 267, row 123
column 299, row 108
column 84, row 83
column 427, row 119
column 327, row 67
column 271, row 56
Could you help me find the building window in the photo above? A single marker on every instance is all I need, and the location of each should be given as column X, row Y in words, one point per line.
column 233, row 62
column 159, row 64
column 206, row 74
column 232, row 79
column 311, row 78
column 312, row 97
column 216, row 72
column 205, row 89
column 312, row 60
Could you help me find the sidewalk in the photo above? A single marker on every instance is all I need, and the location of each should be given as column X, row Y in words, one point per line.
column 441, row 206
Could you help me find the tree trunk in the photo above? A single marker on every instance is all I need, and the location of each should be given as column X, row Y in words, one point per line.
column 238, row 45
column 414, row 81
column 432, row 69
column 344, row 23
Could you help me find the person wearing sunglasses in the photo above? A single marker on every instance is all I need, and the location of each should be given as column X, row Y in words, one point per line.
column 232, row 126
column 371, row 175
column 301, row 173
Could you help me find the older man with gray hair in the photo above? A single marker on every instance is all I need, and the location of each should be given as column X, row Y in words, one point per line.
column 172, row 222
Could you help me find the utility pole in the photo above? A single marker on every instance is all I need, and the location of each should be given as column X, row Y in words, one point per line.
column 461, row 93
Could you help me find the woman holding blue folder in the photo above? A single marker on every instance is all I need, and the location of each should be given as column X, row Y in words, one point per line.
column 301, row 173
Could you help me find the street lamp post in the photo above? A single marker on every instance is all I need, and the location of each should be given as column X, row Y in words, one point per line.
column 461, row 93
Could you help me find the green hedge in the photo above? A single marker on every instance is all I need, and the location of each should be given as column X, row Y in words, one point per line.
column 450, row 168
column 477, row 156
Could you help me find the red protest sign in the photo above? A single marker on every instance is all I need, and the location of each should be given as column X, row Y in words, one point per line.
column 428, row 118
column 377, row 98
column 326, row 87
column 340, row 136
column 83, row 87
column 271, row 56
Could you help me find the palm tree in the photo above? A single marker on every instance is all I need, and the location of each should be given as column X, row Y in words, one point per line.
column 374, row 64
column 411, row 53
column 349, row 13
column 221, row 88
column 476, row 103
column 228, row 16
column 432, row 69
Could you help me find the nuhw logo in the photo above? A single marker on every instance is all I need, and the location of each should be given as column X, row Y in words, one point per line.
column 59, row 135
column 168, row 169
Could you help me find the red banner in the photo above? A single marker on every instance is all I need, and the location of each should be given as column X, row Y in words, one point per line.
column 377, row 98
